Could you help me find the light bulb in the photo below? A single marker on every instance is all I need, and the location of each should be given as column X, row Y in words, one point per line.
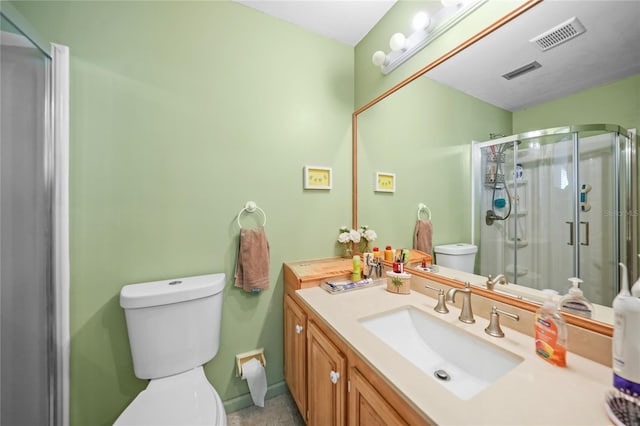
column 421, row 21
column 397, row 42
column 379, row 58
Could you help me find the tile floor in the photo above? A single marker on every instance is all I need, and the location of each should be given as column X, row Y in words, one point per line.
column 278, row 411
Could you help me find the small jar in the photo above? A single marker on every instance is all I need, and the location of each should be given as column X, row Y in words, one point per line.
column 388, row 254
column 377, row 254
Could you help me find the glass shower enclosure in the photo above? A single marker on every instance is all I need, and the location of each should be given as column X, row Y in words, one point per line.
column 557, row 203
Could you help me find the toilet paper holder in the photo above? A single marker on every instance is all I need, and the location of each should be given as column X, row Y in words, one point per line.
column 246, row 356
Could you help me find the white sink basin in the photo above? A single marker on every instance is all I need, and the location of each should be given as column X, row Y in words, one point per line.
column 440, row 349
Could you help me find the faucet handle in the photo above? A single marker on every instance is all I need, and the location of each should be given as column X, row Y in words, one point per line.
column 494, row 329
column 490, row 283
column 441, row 307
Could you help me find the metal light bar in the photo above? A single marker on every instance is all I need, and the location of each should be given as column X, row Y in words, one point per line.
column 446, row 18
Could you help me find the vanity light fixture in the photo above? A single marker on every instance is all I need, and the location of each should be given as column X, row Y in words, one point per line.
column 426, row 29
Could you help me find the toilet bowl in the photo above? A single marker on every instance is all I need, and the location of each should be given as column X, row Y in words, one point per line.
column 460, row 256
column 184, row 399
column 174, row 329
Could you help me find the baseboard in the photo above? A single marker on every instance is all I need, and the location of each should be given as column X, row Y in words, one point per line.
column 244, row 401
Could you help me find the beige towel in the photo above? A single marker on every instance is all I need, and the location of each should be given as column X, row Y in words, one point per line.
column 423, row 236
column 252, row 269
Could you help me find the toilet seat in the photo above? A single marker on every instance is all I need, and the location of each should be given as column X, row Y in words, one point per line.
column 182, row 399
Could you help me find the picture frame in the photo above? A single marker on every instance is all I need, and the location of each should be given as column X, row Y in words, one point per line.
column 317, row 177
column 385, row 182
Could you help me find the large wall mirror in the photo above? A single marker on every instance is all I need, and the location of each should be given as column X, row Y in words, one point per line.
column 422, row 129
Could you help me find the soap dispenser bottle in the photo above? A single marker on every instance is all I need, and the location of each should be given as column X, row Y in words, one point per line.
column 626, row 339
column 574, row 301
column 551, row 331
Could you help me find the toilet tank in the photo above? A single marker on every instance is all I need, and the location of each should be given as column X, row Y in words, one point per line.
column 460, row 256
column 173, row 325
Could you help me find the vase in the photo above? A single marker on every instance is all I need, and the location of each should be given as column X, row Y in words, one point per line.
column 348, row 251
column 364, row 246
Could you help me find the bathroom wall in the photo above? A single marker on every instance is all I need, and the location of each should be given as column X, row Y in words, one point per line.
column 422, row 135
column 617, row 102
column 180, row 113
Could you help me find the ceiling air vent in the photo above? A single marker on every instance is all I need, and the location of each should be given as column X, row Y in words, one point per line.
column 522, row 70
column 559, row 34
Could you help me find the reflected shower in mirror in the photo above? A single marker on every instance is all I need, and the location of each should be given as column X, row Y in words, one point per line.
column 544, row 208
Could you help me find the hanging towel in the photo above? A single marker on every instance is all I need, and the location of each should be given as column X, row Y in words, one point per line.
column 252, row 269
column 423, row 236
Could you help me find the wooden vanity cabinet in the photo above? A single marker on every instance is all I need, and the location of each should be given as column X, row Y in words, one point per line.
column 326, row 380
column 366, row 406
column 330, row 383
column 295, row 352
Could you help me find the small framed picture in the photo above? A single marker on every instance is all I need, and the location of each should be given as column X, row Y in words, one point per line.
column 317, row 177
column 385, row 182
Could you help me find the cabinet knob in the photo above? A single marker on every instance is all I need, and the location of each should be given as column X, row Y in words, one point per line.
column 334, row 377
column 299, row 328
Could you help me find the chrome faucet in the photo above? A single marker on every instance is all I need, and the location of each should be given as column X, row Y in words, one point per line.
column 494, row 329
column 499, row 279
column 466, row 314
column 441, row 307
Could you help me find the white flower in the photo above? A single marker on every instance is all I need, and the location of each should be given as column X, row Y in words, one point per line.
column 355, row 236
column 344, row 237
column 370, row 235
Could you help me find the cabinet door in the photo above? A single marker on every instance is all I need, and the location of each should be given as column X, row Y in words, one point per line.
column 295, row 356
column 367, row 407
column 327, row 381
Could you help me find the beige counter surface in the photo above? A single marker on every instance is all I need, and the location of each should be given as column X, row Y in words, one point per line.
column 533, row 393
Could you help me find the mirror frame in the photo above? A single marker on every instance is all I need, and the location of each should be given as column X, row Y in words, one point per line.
column 588, row 324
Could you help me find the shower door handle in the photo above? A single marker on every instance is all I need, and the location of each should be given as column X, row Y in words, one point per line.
column 586, row 229
column 570, row 233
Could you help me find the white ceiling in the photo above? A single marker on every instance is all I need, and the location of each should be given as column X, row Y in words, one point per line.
column 347, row 21
column 607, row 51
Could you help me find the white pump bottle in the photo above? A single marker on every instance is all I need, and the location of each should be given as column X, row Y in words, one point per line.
column 626, row 339
column 574, row 301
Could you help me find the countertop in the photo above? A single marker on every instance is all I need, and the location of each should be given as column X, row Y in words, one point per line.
column 533, row 393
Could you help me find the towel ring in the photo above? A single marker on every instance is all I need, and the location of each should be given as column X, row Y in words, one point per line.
column 251, row 207
column 423, row 207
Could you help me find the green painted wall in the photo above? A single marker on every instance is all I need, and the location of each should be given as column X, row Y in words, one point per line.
column 180, row 113
column 423, row 135
column 612, row 103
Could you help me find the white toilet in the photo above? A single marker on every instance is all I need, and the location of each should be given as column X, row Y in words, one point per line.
column 174, row 328
column 460, row 256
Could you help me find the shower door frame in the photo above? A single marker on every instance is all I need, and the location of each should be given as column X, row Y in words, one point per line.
column 56, row 164
column 630, row 183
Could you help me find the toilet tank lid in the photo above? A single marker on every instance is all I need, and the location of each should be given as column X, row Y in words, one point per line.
column 164, row 292
column 457, row 248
